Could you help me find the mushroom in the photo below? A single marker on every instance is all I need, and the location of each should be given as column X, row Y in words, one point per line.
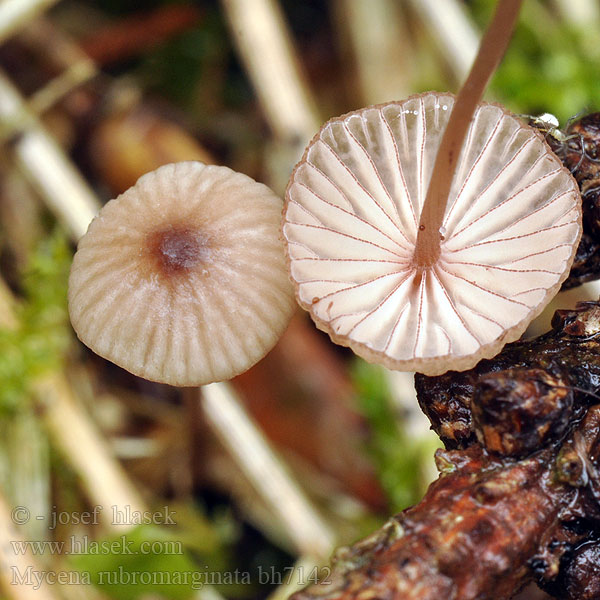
column 426, row 234
column 352, row 219
column 182, row 279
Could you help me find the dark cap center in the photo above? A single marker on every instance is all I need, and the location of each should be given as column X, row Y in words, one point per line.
column 178, row 249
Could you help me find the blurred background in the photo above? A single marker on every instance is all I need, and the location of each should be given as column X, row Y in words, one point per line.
column 115, row 487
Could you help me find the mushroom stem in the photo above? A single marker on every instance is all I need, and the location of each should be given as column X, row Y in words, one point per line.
column 491, row 51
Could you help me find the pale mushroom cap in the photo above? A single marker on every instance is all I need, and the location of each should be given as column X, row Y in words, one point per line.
column 511, row 228
column 182, row 278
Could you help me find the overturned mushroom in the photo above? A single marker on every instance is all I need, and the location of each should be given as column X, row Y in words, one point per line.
column 354, row 212
column 182, row 278
column 426, row 234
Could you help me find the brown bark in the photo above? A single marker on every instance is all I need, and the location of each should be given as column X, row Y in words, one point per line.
column 542, row 369
column 579, row 147
column 491, row 524
column 467, row 539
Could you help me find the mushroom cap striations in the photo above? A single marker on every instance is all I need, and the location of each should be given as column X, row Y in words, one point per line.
column 510, row 230
column 182, row 278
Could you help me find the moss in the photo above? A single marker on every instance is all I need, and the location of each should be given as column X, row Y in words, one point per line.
column 39, row 342
column 399, row 458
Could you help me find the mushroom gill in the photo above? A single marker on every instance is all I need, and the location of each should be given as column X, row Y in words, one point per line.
column 182, row 278
column 352, row 216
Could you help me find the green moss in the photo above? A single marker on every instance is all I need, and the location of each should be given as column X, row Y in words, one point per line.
column 400, row 459
column 39, row 342
column 550, row 66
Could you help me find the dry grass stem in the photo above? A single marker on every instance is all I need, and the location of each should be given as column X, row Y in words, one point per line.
column 208, row 592
column 74, row 434
column 379, row 39
column 304, row 572
column 309, row 533
column 579, row 12
column 452, row 29
column 8, row 318
column 45, row 164
column 14, row 14
column 57, row 47
column 20, row 214
column 581, row 15
column 12, row 563
column 26, row 475
column 266, row 49
column 64, row 54
column 77, row 74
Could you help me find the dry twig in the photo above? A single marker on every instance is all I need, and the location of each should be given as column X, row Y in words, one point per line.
column 265, row 45
column 14, row 14
column 310, row 534
column 381, row 48
column 44, row 163
column 453, row 31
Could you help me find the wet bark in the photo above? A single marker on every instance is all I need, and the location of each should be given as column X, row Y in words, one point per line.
column 579, row 149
